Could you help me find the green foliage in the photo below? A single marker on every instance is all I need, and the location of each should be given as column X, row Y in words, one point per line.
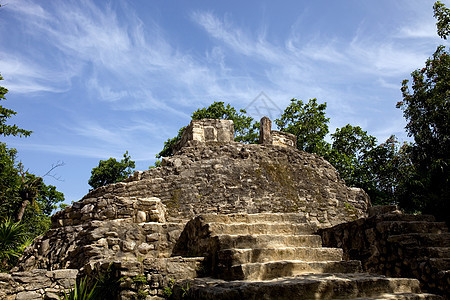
column 24, row 195
column 168, row 290
column 442, row 14
column 111, row 171
column 140, row 279
column 307, row 121
column 107, row 282
column 185, row 289
column 13, row 240
column 348, row 154
column 83, row 290
column 5, row 114
column 156, row 165
column 426, row 107
column 246, row 131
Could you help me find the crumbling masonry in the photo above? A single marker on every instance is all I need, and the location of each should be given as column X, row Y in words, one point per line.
column 221, row 220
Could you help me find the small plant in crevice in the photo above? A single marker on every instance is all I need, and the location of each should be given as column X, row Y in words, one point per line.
column 84, row 289
column 185, row 289
column 168, row 290
column 108, row 283
column 141, row 283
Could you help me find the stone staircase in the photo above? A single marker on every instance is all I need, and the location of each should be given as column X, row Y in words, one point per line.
column 398, row 245
column 277, row 256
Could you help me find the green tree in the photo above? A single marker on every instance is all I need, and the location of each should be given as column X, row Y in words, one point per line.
column 5, row 114
column 348, row 153
column 246, row 130
column 308, row 122
column 24, row 195
column 442, row 14
column 426, row 107
column 390, row 167
column 111, row 171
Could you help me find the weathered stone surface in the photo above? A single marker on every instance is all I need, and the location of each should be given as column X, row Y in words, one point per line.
column 259, row 207
column 210, row 236
column 234, row 177
column 32, row 295
column 265, row 131
column 207, row 130
column 311, row 286
column 36, row 284
column 397, row 245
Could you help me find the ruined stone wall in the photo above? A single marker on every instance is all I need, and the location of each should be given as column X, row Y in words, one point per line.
column 285, row 139
column 207, row 130
column 135, row 224
column 128, row 234
column 233, row 178
column 397, row 245
column 37, row 284
column 103, row 229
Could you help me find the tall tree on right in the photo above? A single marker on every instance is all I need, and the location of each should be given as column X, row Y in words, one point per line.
column 426, row 107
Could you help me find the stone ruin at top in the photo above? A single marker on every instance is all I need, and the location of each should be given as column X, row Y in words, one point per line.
column 219, row 210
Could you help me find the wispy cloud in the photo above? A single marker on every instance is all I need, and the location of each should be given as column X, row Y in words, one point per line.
column 132, row 66
column 126, row 60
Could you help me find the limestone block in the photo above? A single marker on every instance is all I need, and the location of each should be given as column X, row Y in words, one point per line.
column 87, row 209
column 28, row 295
column 65, row 273
column 144, row 248
column 128, row 246
column 112, row 241
column 51, row 296
column 141, row 216
column 152, row 237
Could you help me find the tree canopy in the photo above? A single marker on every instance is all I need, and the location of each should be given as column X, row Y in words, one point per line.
column 111, row 171
column 426, row 107
column 26, row 202
column 442, row 14
column 5, row 114
column 307, row 121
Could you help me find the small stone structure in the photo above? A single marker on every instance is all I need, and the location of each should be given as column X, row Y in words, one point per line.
column 267, row 136
column 206, row 130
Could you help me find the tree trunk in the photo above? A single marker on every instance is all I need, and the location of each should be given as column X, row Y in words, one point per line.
column 22, row 210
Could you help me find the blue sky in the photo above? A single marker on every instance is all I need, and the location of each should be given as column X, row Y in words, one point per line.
column 93, row 79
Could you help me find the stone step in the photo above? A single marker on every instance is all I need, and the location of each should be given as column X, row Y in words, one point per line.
column 287, row 268
column 426, row 252
column 241, row 256
column 399, row 227
column 260, row 228
column 403, row 296
column 309, row 286
column 407, row 217
column 439, row 263
column 227, row 241
column 421, row 239
column 254, row 218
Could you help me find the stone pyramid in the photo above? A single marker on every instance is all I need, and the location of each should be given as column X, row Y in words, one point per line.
column 219, row 219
